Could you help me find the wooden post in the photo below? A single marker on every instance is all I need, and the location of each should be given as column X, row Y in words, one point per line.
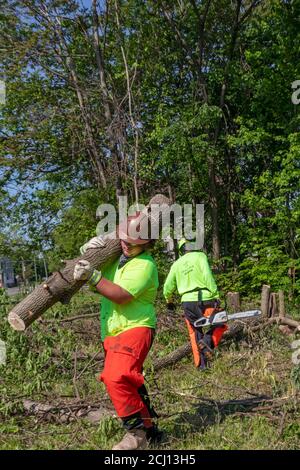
column 273, row 311
column 265, row 297
column 233, row 301
column 281, row 303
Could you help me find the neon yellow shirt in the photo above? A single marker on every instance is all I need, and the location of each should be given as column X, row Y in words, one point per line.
column 139, row 277
column 190, row 272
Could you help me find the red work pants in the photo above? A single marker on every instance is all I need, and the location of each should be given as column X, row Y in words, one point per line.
column 122, row 373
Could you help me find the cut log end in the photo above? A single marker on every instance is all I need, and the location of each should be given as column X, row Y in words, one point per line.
column 16, row 322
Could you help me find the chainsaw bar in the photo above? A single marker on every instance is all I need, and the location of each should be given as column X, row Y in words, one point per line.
column 223, row 317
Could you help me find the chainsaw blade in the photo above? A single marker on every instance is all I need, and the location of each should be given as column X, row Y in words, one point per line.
column 223, row 317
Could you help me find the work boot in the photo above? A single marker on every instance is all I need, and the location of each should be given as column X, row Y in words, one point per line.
column 154, row 435
column 206, row 354
column 134, row 439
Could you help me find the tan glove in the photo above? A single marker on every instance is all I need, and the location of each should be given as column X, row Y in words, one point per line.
column 84, row 272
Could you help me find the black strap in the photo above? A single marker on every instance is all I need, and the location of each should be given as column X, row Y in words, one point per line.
column 197, row 289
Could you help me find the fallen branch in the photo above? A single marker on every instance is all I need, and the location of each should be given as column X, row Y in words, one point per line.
column 173, row 357
column 286, row 321
column 64, row 413
column 278, row 321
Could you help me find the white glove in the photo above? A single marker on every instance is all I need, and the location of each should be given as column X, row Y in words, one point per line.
column 96, row 242
column 84, row 272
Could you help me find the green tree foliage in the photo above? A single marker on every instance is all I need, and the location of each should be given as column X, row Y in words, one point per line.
column 191, row 98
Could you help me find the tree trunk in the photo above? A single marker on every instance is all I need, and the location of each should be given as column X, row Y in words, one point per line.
column 60, row 287
column 216, row 246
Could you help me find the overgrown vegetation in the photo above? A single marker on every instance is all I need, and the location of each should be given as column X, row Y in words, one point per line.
column 125, row 97
column 249, row 399
column 189, row 98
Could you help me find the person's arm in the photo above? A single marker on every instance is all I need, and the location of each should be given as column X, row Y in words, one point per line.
column 113, row 292
column 170, row 285
column 84, row 272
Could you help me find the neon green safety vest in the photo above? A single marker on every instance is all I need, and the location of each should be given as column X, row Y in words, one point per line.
column 139, row 277
column 189, row 273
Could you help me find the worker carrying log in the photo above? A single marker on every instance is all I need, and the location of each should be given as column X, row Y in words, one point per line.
column 128, row 320
column 191, row 276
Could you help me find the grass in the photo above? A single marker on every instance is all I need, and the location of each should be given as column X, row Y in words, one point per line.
column 225, row 407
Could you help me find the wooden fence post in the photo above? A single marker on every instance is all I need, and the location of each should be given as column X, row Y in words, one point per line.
column 281, row 303
column 265, row 297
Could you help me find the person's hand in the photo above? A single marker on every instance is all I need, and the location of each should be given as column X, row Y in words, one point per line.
column 84, row 272
column 95, row 242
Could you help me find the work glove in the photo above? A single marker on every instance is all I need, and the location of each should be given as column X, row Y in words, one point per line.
column 84, row 272
column 96, row 242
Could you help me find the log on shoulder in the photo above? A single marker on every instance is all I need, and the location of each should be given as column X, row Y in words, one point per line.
column 60, row 287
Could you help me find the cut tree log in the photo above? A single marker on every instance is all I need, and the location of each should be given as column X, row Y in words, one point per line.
column 60, row 287
column 173, row 357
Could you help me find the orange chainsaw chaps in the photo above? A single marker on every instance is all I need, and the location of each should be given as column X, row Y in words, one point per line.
column 218, row 330
column 193, row 341
column 218, row 333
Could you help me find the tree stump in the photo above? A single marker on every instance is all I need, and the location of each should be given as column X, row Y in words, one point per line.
column 265, row 297
column 233, row 301
column 273, row 310
column 281, row 303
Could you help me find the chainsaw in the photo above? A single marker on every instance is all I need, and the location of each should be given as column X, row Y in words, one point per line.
column 222, row 317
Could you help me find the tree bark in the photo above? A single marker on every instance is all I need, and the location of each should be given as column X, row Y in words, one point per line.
column 233, row 301
column 286, row 321
column 265, row 297
column 281, row 303
column 60, row 287
column 173, row 357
